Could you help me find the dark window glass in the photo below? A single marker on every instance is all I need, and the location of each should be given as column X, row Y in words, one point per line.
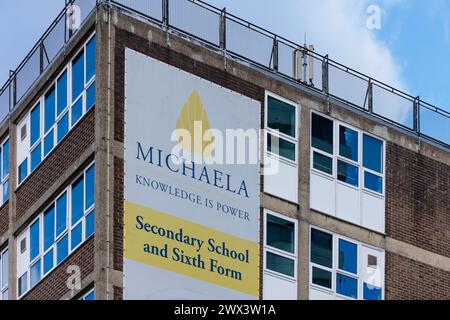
column 49, row 228
column 347, row 173
column 348, row 143
column 321, row 248
column 48, row 261
column 286, row 149
column 77, row 111
column 6, row 191
column 5, row 268
column 63, row 127
column 280, row 233
column 77, row 201
column 23, row 170
column 90, row 59
column 35, row 125
column 281, row 116
column 373, row 182
column 321, row 277
column 49, row 114
column 90, row 224
column 90, row 96
column 76, row 236
column 36, row 157
column 322, row 163
column 90, row 185
column 348, row 256
column 346, row 286
column 34, row 240
column 61, row 214
column 5, row 159
column 77, row 76
column 23, row 284
column 280, row 264
column 322, row 133
column 35, row 273
column 373, row 154
column 371, row 292
column 62, row 93
column 63, row 249
column 49, row 142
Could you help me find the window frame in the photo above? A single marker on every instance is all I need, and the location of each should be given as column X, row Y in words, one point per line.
column 336, row 157
column 87, row 293
column 335, row 270
column 57, row 238
column 280, row 135
column 279, row 252
column 66, row 111
column 4, row 180
column 5, row 288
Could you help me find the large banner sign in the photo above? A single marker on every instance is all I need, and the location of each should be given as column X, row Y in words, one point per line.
column 191, row 186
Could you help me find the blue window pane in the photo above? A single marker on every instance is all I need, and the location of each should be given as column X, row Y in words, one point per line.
column 63, row 127
column 321, row 277
column 61, row 214
column 36, row 157
column 280, row 233
column 62, row 93
column 77, row 201
column 77, row 111
column 49, row 142
column 6, row 191
column 1, row 158
column 90, row 224
column 347, row 173
column 5, row 269
column 89, row 297
column 373, row 182
column 90, row 59
column 23, row 284
column 373, row 154
column 286, row 149
column 34, row 240
column 346, row 286
column 5, row 159
column 49, row 228
column 348, row 256
column 23, row 170
column 348, row 143
column 49, row 119
column 322, row 248
column 35, row 273
column 63, row 249
column 35, row 125
column 322, row 163
column 77, row 76
column 90, row 185
column 90, row 96
column 77, row 236
column 371, row 292
column 280, row 264
column 48, row 261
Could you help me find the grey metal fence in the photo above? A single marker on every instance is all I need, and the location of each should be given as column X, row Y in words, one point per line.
column 240, row 39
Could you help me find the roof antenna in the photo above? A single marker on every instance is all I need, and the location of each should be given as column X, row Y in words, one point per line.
column 305, row 57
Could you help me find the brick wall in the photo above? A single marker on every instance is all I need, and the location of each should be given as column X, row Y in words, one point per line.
column 54, row 286
column 407, row 279
column 64, row 155
column 4, row 218
column 417, row 200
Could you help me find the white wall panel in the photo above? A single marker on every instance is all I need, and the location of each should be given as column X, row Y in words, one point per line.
column 277, row 288
column 372, row 211
column 322, row 193
column 347, row 203
column 284, row 183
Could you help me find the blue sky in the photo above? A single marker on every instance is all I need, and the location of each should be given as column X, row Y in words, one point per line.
column 410, row 51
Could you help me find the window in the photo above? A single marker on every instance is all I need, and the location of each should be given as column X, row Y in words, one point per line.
column 280, row 245
column 4, row 274
column 336, row 267
column 89, row 296
column 281, row 126
column 60, row 229
column 60, row 108
column 4, row 171
column 352, row 164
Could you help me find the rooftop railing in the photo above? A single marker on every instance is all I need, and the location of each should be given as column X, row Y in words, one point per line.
column 242, row 40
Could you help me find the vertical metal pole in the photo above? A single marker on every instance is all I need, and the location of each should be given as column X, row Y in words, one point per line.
column 165, row 13
column 370, row 96
column 325, row 84
column 275, row 54
column 41, row 57
column 223, row 29
column 13, row 94
column 416, row 115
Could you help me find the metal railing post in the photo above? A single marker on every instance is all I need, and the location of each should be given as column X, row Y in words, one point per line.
column 370, row 96
column 41, row 57
column 416, row 115
column 165, row 13
column 325, row 83
column 223, row 29
column 275, row 54
column 13, row 87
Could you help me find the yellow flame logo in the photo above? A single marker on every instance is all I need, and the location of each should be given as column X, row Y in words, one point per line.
column 194, row 120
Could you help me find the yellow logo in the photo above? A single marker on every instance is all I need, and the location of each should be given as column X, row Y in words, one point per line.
column 193, row 127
